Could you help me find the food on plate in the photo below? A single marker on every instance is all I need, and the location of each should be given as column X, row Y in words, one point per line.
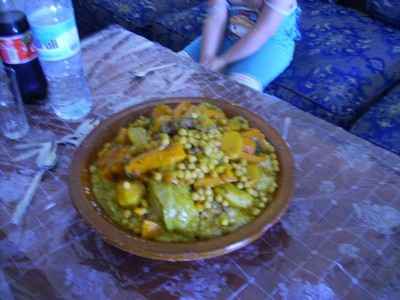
column 185, row 172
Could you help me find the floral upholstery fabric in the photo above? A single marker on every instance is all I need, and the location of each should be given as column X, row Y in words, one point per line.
column 381, row 124
column 176, row 30
column 344, row 61
column 386, row 10
column 131, row 14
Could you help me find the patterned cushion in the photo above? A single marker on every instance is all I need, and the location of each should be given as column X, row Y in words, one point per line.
column 176, row 30
column 386, row 10
column 89, row 21
column 357, row 4
column 131, row 14
column 381, row 124
column 343, row 62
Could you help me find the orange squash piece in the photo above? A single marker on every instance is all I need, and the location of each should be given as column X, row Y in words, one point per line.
column 111, row 162
column 208, row 182
column 159, row 122
column 253, row 133
column 161, row 110
column 211, row 111
column 155, row 159
column 228, row 176
column 168, row 177
column 181, row 109
column 254, row 173
column 232, row 144
column 150, row 229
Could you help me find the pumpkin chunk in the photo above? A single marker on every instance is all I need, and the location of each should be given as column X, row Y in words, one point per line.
column 232, row 144
column 155, row 159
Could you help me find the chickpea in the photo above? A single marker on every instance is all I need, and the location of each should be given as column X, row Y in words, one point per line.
column 225, row 222
column 204, row 168
column 182, row 132
column 183, row 140
column 188, row 175
column 195, row 197
column 192, row 158
column 127, row 214
column 157, row 176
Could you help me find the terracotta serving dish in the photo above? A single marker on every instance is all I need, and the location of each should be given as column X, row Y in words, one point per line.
column 85, row 203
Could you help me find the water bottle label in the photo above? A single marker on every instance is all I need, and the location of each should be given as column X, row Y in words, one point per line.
column 17, row 49
column 58, row 41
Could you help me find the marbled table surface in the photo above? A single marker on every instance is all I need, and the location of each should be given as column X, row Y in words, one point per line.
column 340, row 238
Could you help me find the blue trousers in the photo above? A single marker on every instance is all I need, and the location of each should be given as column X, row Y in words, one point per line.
column 257, row 70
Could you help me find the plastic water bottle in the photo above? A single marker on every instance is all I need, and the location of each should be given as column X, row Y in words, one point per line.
column 57, row 41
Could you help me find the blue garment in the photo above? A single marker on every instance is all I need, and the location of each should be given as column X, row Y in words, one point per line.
column 270, row 60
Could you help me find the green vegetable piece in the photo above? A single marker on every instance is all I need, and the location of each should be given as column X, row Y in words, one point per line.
column 235, row 196
column 210, row 227
column 264, row 182
column 129, row 194
column 175, row 207
column 238, row 123
column 104, row 190
column 138, row 137
column 237, row 218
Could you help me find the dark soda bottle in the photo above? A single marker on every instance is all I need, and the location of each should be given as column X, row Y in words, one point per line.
column 17, row 51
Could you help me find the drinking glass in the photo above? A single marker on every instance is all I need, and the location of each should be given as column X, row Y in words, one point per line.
column 13, row 121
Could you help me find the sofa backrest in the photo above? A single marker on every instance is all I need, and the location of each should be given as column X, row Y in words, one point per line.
column 357, row 4
column 387, row 11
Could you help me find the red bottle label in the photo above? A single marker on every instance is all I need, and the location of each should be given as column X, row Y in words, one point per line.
column 17, row 49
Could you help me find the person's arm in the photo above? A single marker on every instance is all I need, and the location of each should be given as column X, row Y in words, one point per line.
column 267, row 24
column 213, row 30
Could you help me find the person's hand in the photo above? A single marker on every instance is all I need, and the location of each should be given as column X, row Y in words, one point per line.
column 216, row 64
column 205, row 61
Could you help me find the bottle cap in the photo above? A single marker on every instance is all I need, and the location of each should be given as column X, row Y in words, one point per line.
column 13, row 22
